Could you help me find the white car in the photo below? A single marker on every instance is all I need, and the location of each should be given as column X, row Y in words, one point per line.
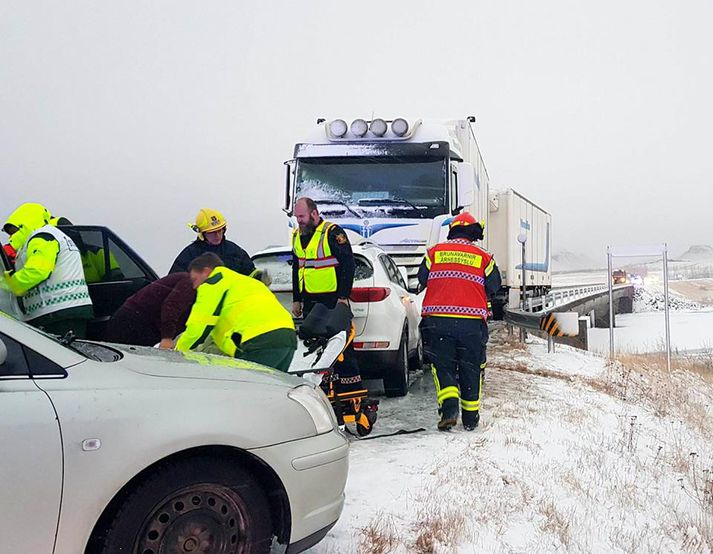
column 107, row 449
column 386, row 316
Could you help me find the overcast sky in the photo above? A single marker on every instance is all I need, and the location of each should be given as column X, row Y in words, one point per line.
column 136, row 114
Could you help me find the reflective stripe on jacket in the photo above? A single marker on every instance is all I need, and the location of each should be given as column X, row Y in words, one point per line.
column 65, row 287
column 317, row 265
column 456, row 280
column 227, row 304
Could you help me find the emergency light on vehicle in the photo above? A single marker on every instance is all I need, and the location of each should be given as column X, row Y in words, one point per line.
column 369, row 294
column 379, row 345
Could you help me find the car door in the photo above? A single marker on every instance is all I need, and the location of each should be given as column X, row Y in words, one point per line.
column 112, row 269
column 30, row 456
column 407, row 299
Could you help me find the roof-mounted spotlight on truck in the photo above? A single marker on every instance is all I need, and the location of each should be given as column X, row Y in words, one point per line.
column 359, row 128
column 338, row 128
column 363, row 129
column 378, row 127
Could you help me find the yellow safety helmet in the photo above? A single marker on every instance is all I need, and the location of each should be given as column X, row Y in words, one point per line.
column 207, row 221
column 26, row 219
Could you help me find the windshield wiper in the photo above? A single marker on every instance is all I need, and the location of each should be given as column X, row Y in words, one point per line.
column 68, row 338
column 339, row 203
column 389, row 201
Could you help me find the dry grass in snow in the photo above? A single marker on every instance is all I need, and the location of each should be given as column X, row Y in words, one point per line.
column 574, row 454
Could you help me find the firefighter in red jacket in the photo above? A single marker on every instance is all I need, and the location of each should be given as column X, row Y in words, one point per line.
column 459, row 277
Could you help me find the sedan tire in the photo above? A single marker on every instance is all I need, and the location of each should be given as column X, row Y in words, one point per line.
column 193, row 505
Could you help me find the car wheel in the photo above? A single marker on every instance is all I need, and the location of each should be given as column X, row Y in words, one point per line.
column 396, row 377
column 416, row 362
column 193, row 505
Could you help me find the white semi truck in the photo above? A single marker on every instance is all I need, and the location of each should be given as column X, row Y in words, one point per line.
column 517, row 224
column 397, row 183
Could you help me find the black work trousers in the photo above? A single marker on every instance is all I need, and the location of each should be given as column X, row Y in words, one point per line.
column 455, row 347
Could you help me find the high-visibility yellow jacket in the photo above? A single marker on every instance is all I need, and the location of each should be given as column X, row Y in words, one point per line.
column 232, row 308
column 49, row 275
column 317, row 265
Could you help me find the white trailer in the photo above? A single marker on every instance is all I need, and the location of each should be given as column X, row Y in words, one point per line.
column 392, row 182
column 513, row 216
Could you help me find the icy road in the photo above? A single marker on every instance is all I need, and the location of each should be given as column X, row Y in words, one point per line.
column 572, row 455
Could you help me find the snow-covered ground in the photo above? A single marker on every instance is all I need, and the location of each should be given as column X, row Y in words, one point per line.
column 572, row 455
column 645, row 332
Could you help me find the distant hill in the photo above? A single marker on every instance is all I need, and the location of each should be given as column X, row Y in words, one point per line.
column 698, row 253
column 564, row 260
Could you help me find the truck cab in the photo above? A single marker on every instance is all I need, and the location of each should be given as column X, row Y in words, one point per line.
column 394, row 182
column 113, row 270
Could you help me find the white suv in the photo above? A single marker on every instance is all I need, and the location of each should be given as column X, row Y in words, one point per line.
column 386, row 315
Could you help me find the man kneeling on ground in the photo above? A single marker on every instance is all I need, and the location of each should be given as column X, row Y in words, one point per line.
column 239, row 314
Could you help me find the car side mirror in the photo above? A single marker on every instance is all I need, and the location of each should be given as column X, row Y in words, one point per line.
column 289, row 187
column 404, row 274
column 3, row 352
column 466, row 184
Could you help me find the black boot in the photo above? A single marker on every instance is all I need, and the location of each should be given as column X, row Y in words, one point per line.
column 449, row 414
column 470, row 420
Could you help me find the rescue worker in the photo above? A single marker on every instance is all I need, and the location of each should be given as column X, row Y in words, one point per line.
column 323, row 273
column 48, row 279
column 93, row 257
column 95, row 265
column 155, row 314
column 459, row 277
column 240, row 315
column 211, row 226
column 10, row 251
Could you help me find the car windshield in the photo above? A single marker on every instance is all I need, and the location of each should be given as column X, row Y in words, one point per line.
column 91, row 350
column 279, row 268
column 394, row 186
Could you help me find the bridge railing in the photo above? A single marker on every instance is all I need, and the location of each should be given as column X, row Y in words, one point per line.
column 555, row 298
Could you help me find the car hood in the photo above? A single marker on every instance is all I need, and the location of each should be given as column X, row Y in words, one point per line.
column 196, row 365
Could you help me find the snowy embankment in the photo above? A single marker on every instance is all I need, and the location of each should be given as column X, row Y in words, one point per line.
column 573, row 454
column 644, row 330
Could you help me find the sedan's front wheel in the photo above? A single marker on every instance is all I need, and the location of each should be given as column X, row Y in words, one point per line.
column 193, row 506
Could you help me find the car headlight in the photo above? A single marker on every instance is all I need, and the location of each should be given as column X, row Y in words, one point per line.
column 314, row 401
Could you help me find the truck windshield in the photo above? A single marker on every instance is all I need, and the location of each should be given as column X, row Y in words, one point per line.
column 403, row 187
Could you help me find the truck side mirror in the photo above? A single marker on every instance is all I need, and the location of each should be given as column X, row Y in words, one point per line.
column 3, row 352
column 289, row 192
column 466, row 185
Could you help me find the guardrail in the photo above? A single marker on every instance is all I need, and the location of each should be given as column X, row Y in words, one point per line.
column 543, row 304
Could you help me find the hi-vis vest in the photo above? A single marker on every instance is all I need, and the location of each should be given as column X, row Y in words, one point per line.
column 229, row 303
column 456, row 280
column 64, row 288
column 317, row 266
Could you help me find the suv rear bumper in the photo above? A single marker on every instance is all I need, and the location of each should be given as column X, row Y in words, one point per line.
column 374, row 364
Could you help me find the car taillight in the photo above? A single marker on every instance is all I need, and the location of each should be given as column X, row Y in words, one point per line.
column 369, row 294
